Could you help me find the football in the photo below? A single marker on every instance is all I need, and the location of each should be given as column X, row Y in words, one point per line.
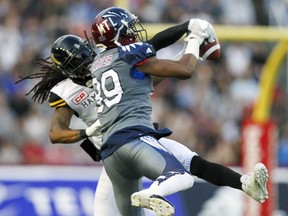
column 210, row 48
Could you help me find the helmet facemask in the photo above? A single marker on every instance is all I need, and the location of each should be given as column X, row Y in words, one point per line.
column 132, row 31
column 138, row 29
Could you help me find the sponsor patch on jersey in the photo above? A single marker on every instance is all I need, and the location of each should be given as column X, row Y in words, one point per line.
column 80, row 97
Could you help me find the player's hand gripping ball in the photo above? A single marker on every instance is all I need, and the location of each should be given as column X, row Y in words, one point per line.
column 210, row 48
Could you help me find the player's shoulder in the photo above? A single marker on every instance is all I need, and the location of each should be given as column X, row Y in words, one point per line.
column 66, row 86
column 60, row 91
column 136, row 52
column 62, row 85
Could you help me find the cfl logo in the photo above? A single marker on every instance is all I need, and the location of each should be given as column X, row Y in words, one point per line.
column 80, row 97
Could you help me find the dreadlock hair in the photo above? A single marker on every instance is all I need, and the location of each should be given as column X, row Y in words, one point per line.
column 50, row 74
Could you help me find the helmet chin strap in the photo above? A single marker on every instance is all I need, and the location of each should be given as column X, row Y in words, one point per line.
column 89, row 83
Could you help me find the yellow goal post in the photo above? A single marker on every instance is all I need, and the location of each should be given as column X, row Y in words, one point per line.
column 261, row 110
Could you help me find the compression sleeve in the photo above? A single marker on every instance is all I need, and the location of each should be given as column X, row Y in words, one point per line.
column 168, row 36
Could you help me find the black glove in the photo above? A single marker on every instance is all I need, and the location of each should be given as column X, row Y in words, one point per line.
column 91, row 150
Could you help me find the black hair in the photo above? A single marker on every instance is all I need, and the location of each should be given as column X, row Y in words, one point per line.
column 50, row 74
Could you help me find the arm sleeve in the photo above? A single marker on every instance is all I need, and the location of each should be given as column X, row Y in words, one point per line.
column 168, row 36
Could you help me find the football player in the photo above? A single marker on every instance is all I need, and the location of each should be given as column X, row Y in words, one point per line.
column 122, row 77
column 70, row 98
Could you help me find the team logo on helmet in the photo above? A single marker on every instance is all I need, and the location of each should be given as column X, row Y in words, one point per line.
column 116, row 27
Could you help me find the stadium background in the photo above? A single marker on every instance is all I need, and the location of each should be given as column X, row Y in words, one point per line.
column 206, row 112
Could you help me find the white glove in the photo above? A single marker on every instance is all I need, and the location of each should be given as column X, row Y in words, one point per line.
column 212, row 34
column 97, row 141
column 94, row 129
column 198, row 29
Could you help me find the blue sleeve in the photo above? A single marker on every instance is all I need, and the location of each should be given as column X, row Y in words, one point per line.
column 136, row 52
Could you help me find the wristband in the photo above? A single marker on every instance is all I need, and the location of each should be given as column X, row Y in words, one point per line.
column 192, row 47
column 83, row 134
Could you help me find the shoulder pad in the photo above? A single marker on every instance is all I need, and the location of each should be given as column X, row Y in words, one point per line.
column 136, row 52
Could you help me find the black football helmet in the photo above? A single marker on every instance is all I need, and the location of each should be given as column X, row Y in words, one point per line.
column 72, row 55
column 115, row 26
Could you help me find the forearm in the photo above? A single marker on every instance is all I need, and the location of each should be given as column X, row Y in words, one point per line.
column 66, row 135
column 168, row 36
column 60, row 132
column 182, row 69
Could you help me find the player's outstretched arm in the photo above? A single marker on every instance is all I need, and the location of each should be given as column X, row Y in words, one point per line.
column 182, row 69
column 168, row 36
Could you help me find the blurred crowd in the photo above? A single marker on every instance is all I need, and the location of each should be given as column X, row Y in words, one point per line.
column 205, row 112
